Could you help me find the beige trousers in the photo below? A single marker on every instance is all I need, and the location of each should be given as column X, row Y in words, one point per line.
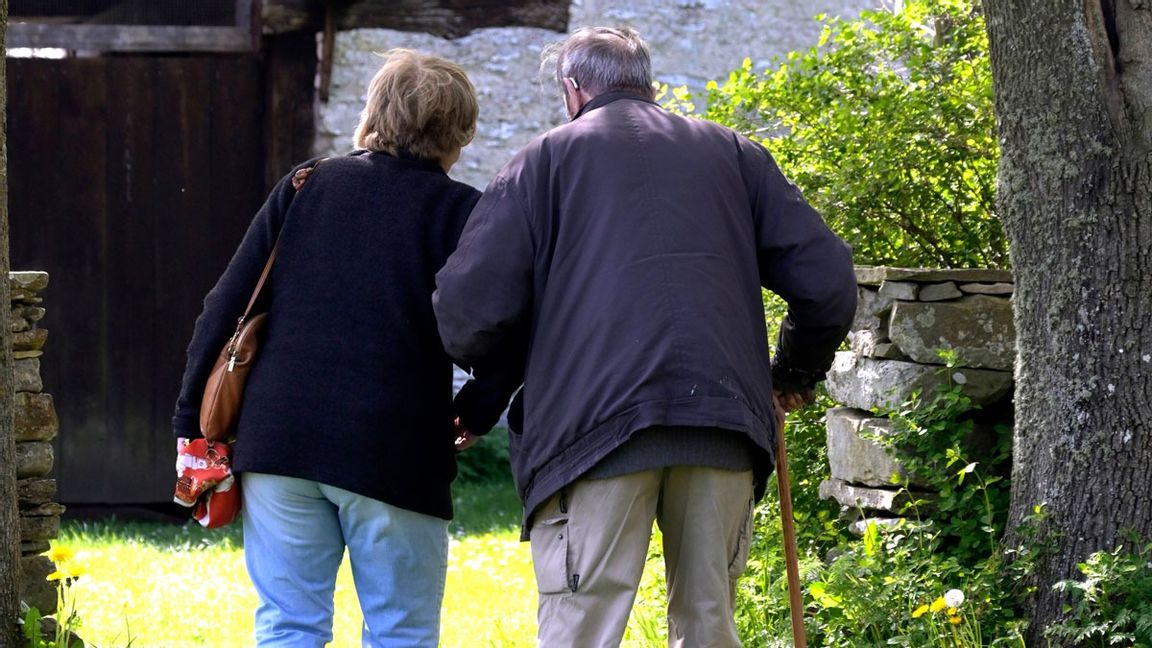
column 589, row 543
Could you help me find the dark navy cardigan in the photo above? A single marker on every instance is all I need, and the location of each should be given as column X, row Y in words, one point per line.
column 352, row 387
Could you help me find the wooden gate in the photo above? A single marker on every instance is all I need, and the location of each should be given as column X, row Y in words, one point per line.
column 132, row 179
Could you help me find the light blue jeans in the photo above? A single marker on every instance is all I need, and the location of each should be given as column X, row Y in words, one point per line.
column 295, row 532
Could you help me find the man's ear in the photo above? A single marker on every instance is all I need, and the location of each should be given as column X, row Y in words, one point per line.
column 574, row 97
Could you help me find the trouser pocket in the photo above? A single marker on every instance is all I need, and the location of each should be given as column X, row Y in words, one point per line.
column 743, row 543
column 549, row 538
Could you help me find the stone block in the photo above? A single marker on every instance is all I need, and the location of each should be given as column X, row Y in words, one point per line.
column 864, row 343
column 978, row 328
column 32, row 340
column 35, row 417
column 34, row 281
column 44, row 527
column 35, row 588
column 988, row 289
column 871, row 311
column 939, row 292
column 858, row 527
column 31, row 313
column 869, row 499
column 873, row 384
column 33, row 547
column 858, row 460
column 888, row 351
column 26, row 375
column 33, row 459
column 875, row 275
column 899, row 290
column 23, row 317
column 34, row 492
column 48, row 509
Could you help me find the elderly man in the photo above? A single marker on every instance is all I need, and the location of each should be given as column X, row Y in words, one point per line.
column 623, row 254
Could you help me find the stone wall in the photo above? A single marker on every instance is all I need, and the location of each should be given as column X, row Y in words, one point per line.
column 692, row 42
column 36, row 426
column 904, row 317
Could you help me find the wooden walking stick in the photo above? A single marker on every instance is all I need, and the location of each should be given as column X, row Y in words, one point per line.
column 795, row 596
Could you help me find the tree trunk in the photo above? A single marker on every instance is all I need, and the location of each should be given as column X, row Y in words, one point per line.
column 1073, row 84
column 9, row 515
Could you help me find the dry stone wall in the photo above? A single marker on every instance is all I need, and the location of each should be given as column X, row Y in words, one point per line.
column 904, row 318
column 692, row 42
column 36, row 426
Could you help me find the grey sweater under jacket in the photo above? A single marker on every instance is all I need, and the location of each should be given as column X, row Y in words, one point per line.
column 352, row 386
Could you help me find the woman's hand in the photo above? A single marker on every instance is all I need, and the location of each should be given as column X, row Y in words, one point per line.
column 464, row 438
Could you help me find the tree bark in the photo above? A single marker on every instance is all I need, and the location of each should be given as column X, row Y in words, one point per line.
column 9, row 513
column 1073, row 85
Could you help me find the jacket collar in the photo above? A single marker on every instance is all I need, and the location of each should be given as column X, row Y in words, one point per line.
column 407, row 158
column 607, row 98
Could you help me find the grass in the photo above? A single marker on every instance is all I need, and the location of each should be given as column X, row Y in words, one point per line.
column 171, row 586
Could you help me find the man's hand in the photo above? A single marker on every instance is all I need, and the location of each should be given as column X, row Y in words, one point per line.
column 790, row 401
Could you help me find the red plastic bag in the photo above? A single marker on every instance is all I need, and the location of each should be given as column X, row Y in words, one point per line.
column 205, row 483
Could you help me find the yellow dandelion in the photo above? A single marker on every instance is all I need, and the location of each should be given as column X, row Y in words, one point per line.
column 952, row 611
column 954, row 620
column 59, row 554
column 920, row 611
column 74, row 570
column 938, row 605
column 56, row 575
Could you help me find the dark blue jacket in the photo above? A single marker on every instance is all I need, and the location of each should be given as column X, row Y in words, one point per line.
column 352, row 386
column 631, row 244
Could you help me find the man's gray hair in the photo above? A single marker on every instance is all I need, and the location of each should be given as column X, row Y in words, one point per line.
column 602, row 59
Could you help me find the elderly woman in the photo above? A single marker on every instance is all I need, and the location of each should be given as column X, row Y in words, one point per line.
column 346, row 434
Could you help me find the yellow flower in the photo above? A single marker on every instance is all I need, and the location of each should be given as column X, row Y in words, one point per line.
column 919, row 611
column 954, row 620
column 59, row 554
column 67, row 572
column 938, row 605
column 952, row 611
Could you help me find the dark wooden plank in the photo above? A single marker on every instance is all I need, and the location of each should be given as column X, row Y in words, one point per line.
column 130, row 138
column 131, row 38
column 76, row 368
column 195, row 242
column 290, row 88
column 446, row 18
column 185, row 259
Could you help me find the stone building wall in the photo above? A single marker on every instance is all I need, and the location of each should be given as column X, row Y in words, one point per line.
column 36, row 426
column 903, row 318
column 692, row 42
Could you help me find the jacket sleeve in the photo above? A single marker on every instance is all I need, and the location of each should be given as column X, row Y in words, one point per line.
column 225, row 303
column 801, row 260
column 482, row 400
column 483, row 297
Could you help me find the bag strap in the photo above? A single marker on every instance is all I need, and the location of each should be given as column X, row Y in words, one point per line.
column 298, row 180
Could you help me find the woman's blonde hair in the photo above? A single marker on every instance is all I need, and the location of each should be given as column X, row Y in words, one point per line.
column 418, row 105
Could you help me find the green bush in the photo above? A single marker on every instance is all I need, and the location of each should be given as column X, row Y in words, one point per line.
column 1112, row 605
column 888, row 588
column 888, row 126
column 487, row 461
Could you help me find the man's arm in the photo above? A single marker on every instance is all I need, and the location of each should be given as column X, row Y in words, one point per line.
column 806, row 264
column 483, row 293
